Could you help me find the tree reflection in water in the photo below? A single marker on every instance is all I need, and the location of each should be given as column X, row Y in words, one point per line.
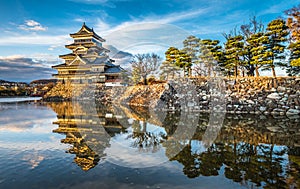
column 245, row 150
column 144, row 140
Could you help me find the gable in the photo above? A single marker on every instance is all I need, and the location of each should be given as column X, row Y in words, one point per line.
column 77, row 61
column 80, row 50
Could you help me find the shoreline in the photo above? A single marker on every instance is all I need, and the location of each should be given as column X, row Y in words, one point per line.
column 19, row 99
column 249, row 95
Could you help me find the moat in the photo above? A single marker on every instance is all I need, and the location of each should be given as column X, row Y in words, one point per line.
column 88, row 145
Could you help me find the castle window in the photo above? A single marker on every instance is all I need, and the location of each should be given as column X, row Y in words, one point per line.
column 82, row 40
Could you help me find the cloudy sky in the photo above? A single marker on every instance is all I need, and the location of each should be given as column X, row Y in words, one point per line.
column 33, row 33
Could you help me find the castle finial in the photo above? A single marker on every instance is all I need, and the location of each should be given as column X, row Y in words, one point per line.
column 83, row 24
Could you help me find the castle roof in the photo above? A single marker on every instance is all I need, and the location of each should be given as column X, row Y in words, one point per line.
column 86, row 31
column 115, row 69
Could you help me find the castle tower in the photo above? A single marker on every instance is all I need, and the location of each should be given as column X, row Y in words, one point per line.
column 88, row 62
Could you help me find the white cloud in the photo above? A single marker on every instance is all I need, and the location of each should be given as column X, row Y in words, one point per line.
column 174, row 17
column 157, row 19
column 102, row 26
column 11, row 57
column 34, row 39
column 24, row 68
column 79, row 20
column 146, row 37
column 31, row 25
column 141, row 34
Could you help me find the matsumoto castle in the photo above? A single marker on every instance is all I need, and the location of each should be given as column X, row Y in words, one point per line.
column 89, row 61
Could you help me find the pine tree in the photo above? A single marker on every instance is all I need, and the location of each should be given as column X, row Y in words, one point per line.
column 277, row 32
column 233, row 53
column 258, row 51
column 293, row 22
column 171, row 55
column 210, row 54
column 184, row 61
column 191, row 48
column 180, row 59
column 249, row 32
column 294, row 68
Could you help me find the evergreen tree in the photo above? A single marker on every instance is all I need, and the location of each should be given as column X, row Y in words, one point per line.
column 294, row 68
column 293, row 22
column 180, row 59
column 277, row 31
column 248, row 30
column 258, row 50
column 233, row 53
column 222, row 64
column 210, row 54
column 184, row 61
column 171, row 55
column 191, row 48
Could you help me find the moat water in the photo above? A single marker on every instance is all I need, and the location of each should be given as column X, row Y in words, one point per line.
column 88, row 145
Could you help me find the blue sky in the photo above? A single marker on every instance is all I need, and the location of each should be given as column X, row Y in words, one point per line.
column 33, row 33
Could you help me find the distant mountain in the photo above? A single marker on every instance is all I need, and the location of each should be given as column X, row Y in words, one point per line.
column 38, row 82
column 121, row 58
column 116, row 53
column 43, row 81
column 10, row 82
column 4, row 81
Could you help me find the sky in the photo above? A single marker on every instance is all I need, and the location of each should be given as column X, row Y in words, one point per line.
column 33, row 32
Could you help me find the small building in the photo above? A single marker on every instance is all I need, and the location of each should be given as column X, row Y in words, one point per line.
column 89, row 61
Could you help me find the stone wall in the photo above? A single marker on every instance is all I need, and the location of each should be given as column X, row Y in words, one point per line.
column 69, row 91
column 249, row 95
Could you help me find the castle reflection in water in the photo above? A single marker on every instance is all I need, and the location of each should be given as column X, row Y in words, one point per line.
column 255, row 149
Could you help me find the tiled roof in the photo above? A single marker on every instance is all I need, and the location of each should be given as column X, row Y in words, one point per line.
column 59, row 65
column 115, row 69
column 82, row 32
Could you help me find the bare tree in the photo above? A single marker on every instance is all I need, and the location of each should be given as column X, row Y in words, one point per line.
column 143, row 65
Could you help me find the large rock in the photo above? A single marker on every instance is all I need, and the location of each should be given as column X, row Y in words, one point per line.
column 293, row 112
column 281, row 89
column 274, row 96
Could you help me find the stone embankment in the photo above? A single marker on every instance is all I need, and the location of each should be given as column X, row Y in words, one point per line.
column 249, row 95
column 68, row 92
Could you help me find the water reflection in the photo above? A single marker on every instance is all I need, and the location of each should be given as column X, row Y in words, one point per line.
column 251, row 150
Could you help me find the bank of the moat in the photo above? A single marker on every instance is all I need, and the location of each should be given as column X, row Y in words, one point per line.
column 249, row 95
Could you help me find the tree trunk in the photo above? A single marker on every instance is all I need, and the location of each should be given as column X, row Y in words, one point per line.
column 274, row 75
column 251, row 70
column 273, row 71
column 235, row 71
column 256, row 71
column 145, row 80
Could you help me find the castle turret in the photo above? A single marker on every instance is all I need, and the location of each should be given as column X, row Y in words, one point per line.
column 88, row 62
